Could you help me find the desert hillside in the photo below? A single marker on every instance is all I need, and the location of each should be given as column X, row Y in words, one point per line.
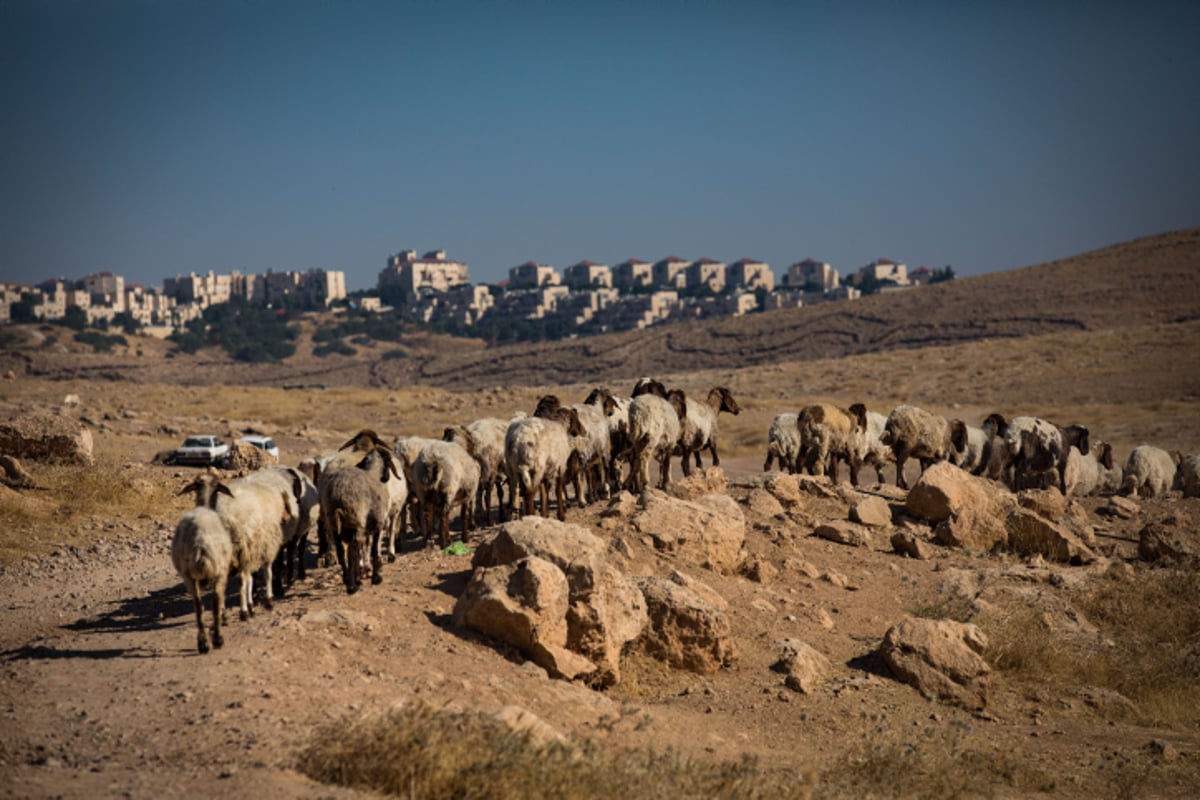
column 1076, row 626
column 1150, row 281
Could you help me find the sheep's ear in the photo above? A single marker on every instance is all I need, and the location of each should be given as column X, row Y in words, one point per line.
column 191, row 487
column 222, row 489
column 859, row 412
column 575, row 427
column 1106, row 457
column 610, row 404
column 348, row 444
column 448, row 434
column 297, row 484
column 1000, row 423
column 1083, row 440
column 958, row 435
column 730, row 405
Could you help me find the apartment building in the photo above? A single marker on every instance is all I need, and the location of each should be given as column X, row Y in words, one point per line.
column 414, row 276
column 588, row 275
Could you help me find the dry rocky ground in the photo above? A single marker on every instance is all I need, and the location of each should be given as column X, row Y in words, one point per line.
column 103, row 694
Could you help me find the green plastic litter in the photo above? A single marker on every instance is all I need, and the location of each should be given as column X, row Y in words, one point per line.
column 457, row 549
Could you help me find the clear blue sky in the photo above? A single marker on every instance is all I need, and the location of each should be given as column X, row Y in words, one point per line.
column 157, row 137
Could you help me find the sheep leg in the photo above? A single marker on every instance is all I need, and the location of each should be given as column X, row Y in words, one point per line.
column 246, row 594
column 854, row 471
column 280, row 569
column 699, row 463
column 833, row 467
column 900, row 481
column 376, row 560
column 193, row 589
column 350, row 575
column 218, row 608
column 712, row 448
column 467, row 513
column 324, row 558
column 544, row 497
column 560, row 497
column 267, row 583
column 664, row 472
column 444, row 525
column 686, row 463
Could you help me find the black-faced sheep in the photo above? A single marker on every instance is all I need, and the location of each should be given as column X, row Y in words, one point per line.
column 1036, row 446
column 699, row 430
column 1095, row 473
column 537, row 454
column 354, row 508
column 829, row 433
column 655, row 423
column 973, row 447
column 486, row 437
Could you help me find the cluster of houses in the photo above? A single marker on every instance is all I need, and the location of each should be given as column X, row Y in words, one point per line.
column 585, row 297
column 103, row 297
column 595, row 298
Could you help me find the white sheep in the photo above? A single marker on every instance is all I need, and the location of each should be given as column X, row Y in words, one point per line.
column 616, row 411
column 783, row 443
column 1150, row 471
column 486, row 437
column 699, row 426
column 537, row 454
column 445, row 474
column 1095, row 473
column 295, row 528
column 255, row 514
column 354, row 508
column 1187, row 477
column 592, row 450
column 913, row 432
column 1038, row 447
column 828, row 433
column 406, row 449
column 874, row 452
column 655, row 423
column 202, row 552
column 973, row 447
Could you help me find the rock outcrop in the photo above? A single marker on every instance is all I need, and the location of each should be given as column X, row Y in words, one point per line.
column 941, row 659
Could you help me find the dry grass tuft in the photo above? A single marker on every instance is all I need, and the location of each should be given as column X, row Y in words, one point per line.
column 73, row 505
column 929, row 765
column 417, row 751
column 1148, row 649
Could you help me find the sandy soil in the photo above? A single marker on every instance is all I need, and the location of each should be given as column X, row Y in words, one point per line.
column 103, row 693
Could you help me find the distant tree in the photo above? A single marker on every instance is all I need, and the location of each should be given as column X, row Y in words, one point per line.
column 75, row 318
column 946, row 273
column 126, row 322
column 22, row 310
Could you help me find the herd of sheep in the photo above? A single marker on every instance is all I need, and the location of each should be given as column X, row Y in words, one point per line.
column 361, row 498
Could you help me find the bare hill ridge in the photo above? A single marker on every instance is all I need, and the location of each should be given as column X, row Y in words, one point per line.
column 1148, row 280
column 1142, row 282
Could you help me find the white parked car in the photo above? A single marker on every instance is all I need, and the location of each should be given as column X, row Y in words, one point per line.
column 201, row 450
column 265, row 443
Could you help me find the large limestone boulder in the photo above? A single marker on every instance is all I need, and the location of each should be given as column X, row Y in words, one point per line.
column 968, row 511
column 604, row 608
column 50, row 438
column 685, row 630
column 1030, row 534
column 871, row 511
column 699, row 483
column 710, row 530
column 843, row 532
column 1175, row 543
column 1048, row 503
column 944, row 490
column 524, row 604
column 941, row 659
